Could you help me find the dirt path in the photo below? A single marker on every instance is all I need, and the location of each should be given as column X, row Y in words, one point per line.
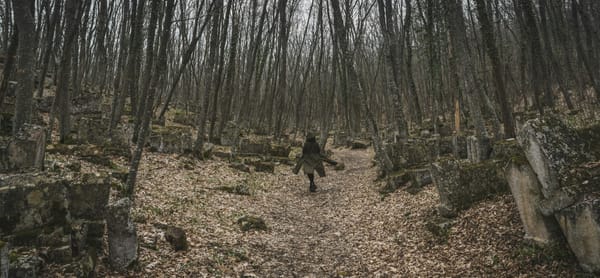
column 344, row 229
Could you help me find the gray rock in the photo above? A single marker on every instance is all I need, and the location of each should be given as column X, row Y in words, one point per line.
column 551, row 149
column 122, row 236
column 176, row 237
column 266, row 167
column 462, row 184
column 240, row 166
column 526, row 191
column 459, row 147
column 89, row 196
column 230, row 136
column 32, row 201
column 26, row 151
column 478, row 149
column 581, row 224
column 26, row 266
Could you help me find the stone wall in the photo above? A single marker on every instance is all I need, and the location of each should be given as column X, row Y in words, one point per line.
column 59, row 215
column 460, row 184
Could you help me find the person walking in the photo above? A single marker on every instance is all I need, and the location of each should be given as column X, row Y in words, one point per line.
column 312, row 160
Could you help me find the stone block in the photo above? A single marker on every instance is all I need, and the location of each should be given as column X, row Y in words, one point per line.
column 526, row 191
column 459, row 147
column 26, row 266
column 581, row 226
column 551, row 149
column 230, row 136
column 30, row 202
column 26, row 151
column 171, row 139
column 478, row 149
column 240, row 166
column 91, row 128
column 184, row 118
column 280, row 150
column 461, row 184
column 359, row 144
column 88, row 195
column 250, row 147
column 266, row 167
column 122, row 235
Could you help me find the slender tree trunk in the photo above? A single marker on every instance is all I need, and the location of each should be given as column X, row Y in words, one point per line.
column 158, row 74
column 492, row 52
column 459, row 48
column 11, row 54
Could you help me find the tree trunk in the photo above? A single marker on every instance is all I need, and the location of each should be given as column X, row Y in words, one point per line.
column 492, row 52
column 25, row 67
column 158, row 75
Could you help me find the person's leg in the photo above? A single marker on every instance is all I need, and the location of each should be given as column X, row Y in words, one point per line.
column 312, row 187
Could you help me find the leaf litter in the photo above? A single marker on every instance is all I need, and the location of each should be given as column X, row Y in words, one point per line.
column 346, row 229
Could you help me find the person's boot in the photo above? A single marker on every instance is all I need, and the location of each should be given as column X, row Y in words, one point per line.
column 313, row 187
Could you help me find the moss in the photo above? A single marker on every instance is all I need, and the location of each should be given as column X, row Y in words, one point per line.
column 240, row 189
column 2, row 243
column 248, row 223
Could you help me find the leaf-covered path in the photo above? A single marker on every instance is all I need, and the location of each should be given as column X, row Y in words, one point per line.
column 345, row 229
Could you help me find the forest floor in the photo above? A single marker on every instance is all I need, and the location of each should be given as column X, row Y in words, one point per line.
column 345, row 229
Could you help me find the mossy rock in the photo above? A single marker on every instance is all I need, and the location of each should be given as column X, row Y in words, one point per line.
column 248, row 223
column 239, row 189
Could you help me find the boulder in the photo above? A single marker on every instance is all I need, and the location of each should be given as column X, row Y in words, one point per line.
column 248, row 223
column 461, row 184
column 122, row 236
column 176, row 237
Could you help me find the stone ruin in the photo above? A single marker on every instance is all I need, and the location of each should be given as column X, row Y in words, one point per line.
column 23, row 152
column 54, row 214
column 552, row 171
column 171, row 139
column 556, row 184
column 59, row 216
